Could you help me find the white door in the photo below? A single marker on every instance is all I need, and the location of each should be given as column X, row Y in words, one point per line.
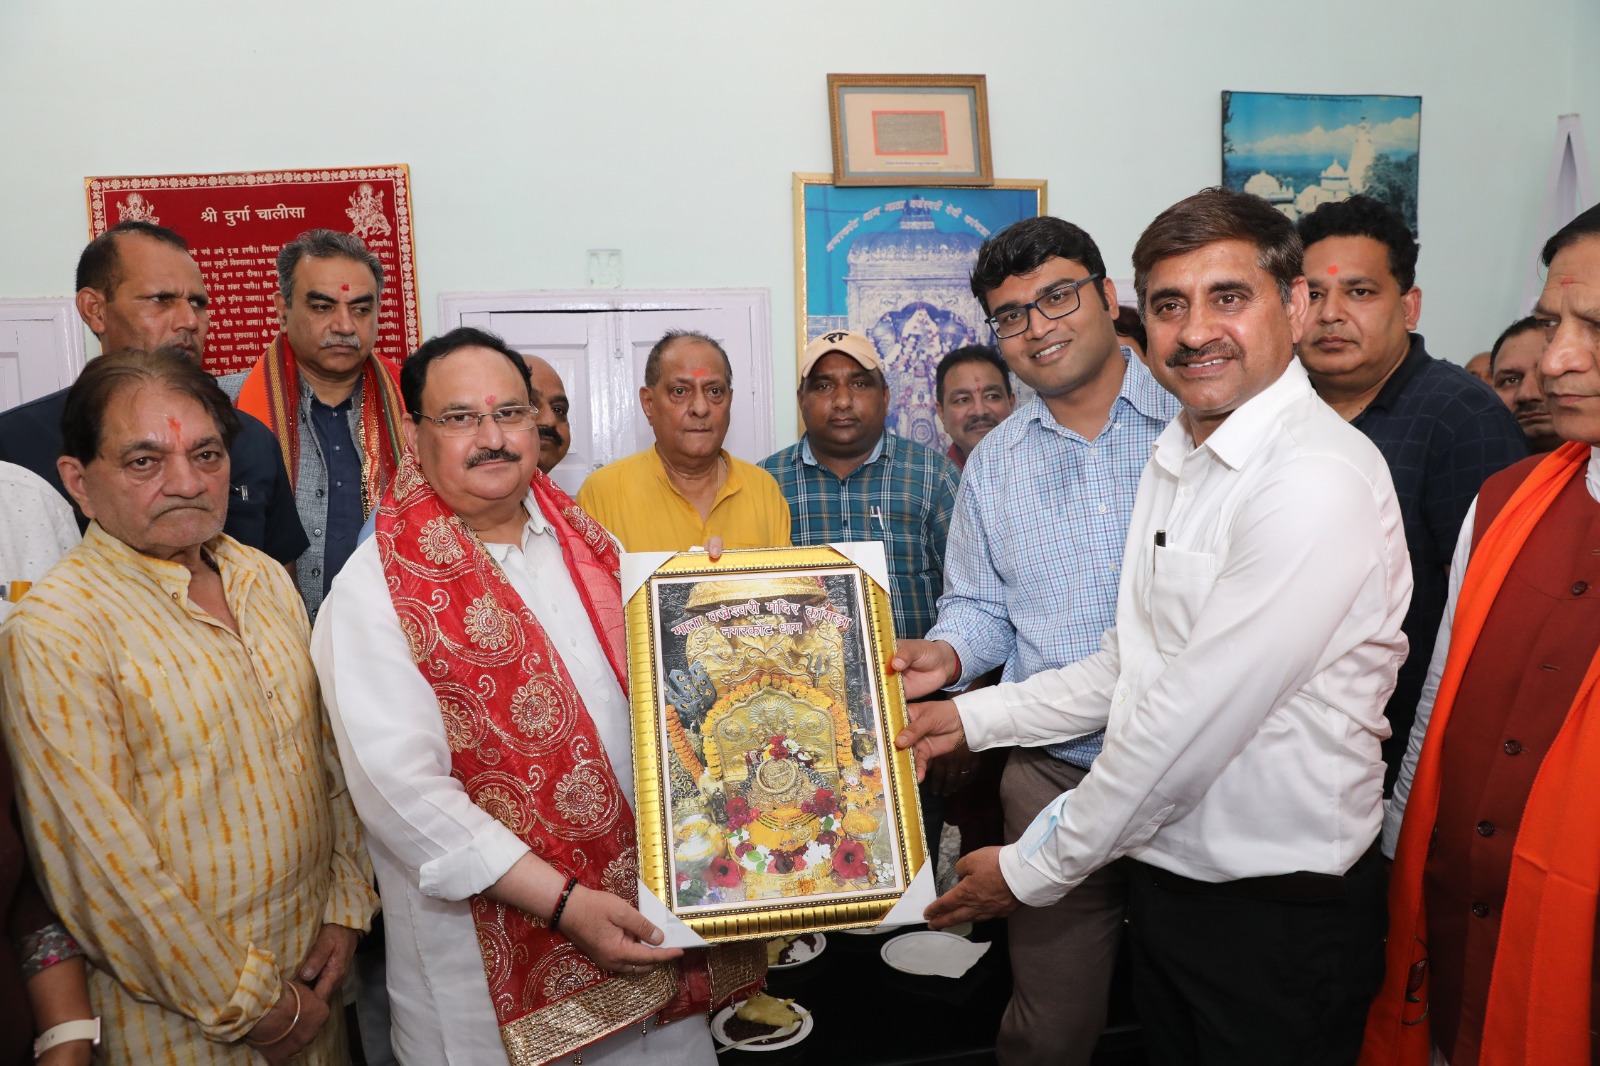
column 41, row 349
column 564, row 342
column 598, row 343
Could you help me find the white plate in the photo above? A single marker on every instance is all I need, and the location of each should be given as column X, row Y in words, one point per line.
column 905, row 952
column 773, row 1043
column 802, row 953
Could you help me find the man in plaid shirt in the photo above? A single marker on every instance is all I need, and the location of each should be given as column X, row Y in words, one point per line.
column 847, row 479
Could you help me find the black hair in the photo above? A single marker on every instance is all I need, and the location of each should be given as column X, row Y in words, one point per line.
column 1362, row 216
column 1025, row 246
column 98, row 265
column 971, row 353
column 1585, row 225
column 103, row 379
column 414, row 374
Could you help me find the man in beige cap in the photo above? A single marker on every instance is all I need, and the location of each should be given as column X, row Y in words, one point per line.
column 847, row 479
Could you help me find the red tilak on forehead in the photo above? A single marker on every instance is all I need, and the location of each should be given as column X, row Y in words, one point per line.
column 488, row 401
column 344, row 288
column 698, row 371
column 174, row 425
column 1333, row 269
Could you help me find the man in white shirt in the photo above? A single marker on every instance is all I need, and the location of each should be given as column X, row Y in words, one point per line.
column 36, row 530
column 471, row 658
column 1243, row 686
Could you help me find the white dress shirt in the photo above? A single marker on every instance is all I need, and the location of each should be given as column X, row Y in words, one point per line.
column 432, row 847
column 36, row 530
column 1394, row 809
column 1243, row 685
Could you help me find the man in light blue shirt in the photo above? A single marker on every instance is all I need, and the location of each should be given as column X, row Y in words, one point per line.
column 1031, row 574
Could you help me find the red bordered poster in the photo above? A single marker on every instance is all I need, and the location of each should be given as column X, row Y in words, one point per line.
column 235, row 224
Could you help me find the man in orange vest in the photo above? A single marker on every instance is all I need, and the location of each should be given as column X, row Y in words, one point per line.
column 1497, row 865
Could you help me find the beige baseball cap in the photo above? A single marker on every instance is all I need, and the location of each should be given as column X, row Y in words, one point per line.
column 852, row 344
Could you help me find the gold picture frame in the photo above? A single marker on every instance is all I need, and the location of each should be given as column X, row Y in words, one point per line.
column 910, row 129
column 769, row 795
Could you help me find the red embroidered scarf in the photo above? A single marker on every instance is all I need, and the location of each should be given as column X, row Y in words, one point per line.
column 1538, row 1008
column 271, row 393
column 524, row 747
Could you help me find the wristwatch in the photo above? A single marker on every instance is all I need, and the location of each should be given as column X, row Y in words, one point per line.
column 82, row 1029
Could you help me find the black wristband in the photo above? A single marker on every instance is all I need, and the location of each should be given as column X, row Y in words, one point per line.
column 561, row 904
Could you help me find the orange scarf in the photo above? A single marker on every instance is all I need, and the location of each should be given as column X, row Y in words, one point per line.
column 523, row 746
column 271, row 393
column 1539, row 990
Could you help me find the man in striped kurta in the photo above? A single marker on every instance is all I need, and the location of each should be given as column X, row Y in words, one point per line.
column 181, row 789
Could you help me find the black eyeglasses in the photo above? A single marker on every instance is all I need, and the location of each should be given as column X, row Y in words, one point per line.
column 1057, row 303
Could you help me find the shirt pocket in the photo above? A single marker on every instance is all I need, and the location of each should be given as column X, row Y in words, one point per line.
column 1179, row 587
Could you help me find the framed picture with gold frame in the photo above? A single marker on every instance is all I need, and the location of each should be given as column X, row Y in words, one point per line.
column 769, row 795
column 910, row 129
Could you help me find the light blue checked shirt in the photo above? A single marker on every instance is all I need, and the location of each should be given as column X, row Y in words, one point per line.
column 1036, row 542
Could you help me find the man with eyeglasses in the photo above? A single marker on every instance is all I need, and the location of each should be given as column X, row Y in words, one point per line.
column 472, row 660
column 686, row 490
column 1031, row 574
column 327, row 397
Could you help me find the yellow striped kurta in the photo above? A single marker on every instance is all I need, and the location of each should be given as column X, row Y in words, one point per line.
column 181, row 793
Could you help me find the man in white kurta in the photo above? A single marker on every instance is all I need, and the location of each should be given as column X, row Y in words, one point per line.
column 432, row 847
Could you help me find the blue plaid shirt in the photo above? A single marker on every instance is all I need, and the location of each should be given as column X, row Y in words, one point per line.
column 902, row 495
column 1036, row 544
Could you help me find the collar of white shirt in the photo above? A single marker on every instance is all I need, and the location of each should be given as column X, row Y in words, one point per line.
column 1241, row 432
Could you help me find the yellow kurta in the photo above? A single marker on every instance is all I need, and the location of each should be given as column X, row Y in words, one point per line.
column 181, row 792
column 634, row 500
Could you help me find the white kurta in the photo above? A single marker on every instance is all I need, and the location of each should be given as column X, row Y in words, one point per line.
column 36, row 530
column 431, row 846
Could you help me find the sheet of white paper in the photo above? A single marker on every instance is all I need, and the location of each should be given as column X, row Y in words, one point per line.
column 867, row 554
column 908, row 911
column 637, row 568
column 677, row 934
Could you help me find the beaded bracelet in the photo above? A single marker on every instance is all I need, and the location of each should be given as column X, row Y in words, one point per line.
column 561, row 904
column 283, row 1035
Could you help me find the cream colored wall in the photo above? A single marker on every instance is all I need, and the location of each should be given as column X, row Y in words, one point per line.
column 537, row 131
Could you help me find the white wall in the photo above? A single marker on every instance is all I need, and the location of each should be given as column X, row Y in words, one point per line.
column 536, row 131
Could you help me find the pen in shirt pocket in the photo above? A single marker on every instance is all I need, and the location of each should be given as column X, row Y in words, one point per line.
column 877, row 516
column 1161, row 538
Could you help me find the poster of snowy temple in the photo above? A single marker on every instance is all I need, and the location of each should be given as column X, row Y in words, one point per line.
column 1299, row 150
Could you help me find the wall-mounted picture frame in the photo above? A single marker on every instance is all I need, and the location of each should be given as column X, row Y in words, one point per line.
column 770, row 796
column 894, row 263
column 910, row 129
column 1298, row 151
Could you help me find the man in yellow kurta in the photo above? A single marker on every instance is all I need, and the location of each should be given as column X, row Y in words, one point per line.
column 180, row 787
column 686, row 488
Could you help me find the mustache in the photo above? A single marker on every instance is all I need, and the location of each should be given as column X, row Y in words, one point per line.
column 1184, row 355
column 549, row 433
column 341, row 340
column 493, row 455
column 979, row 422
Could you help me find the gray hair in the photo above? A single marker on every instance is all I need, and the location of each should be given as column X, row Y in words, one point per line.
column 652, row 362
column 323, row 244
